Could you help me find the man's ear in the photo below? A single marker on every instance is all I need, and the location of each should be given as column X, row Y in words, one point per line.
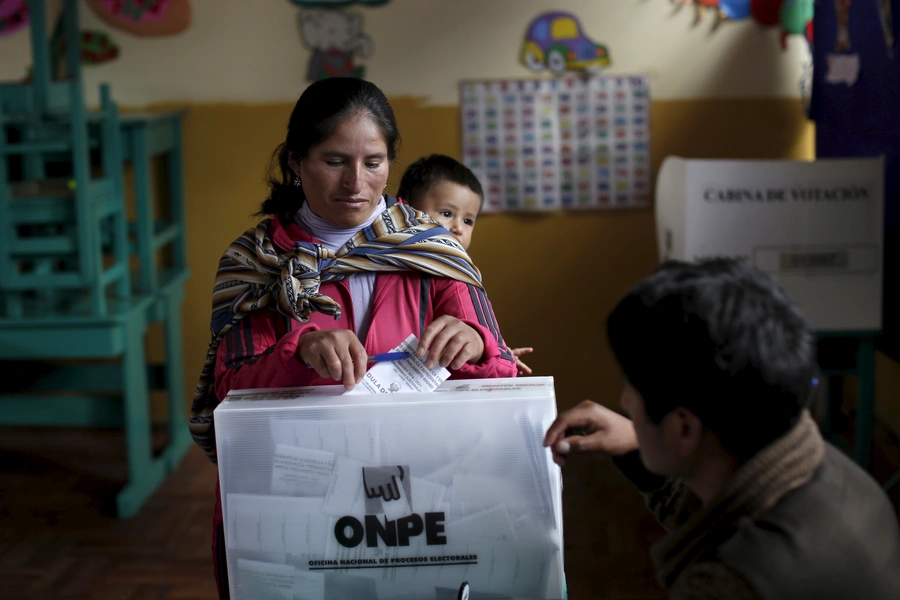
column 686, row 432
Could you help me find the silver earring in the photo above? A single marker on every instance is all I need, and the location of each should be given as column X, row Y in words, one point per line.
column 385, row 186
column 297, row 182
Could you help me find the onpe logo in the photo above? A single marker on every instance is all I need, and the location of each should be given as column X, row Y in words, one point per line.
column 384, row 485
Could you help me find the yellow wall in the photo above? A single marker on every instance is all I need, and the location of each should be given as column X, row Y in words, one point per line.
column 591, row 258
column 523, row 257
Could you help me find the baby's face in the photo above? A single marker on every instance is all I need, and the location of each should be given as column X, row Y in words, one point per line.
column 454, row 206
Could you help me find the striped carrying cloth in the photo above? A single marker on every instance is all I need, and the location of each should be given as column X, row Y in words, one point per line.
column 252, row 275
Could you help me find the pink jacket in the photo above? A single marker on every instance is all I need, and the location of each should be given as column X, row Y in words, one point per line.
column 260, row 351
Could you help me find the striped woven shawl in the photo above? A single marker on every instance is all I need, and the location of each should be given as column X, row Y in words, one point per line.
column 253, row 275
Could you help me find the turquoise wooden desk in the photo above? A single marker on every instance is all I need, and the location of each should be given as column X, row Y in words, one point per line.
column 101, row 393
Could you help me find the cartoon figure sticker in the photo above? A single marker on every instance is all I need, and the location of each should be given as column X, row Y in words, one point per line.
column 842, row 11
column 735, row 10
column 149, row 18
column 95, row 47
column 794, row 16
column 335, row 3
column 887, row 24
column 556, row 41
column 843, row 65
column 13, row 16
column 701, row 6
column 765, row 12
column 336, row 38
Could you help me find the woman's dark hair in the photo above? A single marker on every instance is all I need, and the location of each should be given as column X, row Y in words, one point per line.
column 722, row 339
column 322, row 107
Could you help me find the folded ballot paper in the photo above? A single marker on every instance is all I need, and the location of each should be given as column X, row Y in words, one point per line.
column 401, row 376
column 394, row 496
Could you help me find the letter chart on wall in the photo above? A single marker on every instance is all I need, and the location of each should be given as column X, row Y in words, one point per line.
column 560, row 144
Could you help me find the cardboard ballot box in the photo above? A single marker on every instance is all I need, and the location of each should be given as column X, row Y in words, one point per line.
column 817, row 227
column 391, row 496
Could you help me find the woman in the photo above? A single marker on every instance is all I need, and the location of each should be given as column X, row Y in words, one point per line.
column 338, row 271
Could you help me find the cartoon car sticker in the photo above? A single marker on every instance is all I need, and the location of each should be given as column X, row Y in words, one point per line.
column 556, row 41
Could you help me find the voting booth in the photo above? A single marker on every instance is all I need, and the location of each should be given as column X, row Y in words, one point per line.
column 391, row 496
column 817, row 227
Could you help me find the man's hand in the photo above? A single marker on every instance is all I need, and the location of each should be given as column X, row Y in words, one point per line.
column 590, row 427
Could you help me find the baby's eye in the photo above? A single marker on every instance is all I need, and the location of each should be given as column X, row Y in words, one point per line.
column 446, row 213
column 469, row 222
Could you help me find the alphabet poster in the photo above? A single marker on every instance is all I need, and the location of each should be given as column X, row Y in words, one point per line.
column 562, row 144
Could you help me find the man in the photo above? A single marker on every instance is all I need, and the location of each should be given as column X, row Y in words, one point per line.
column 719, row 367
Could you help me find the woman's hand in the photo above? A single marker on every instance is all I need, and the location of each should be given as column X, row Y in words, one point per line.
column 450, row 343
column 590, row 427
column 334, row 353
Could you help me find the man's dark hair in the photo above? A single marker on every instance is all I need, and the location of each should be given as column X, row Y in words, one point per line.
column 722, row 339
column 421, row 175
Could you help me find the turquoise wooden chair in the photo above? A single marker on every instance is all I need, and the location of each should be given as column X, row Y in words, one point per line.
column 63, row 242
column 67, row 255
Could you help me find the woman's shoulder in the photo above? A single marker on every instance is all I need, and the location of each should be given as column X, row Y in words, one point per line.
column 282, row 236
column 285, row 236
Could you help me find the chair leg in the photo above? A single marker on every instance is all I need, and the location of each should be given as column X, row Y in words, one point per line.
column 144, row 474
column 865, row 410
column 179, row 435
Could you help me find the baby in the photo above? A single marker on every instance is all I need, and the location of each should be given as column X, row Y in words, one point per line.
column 451, row 195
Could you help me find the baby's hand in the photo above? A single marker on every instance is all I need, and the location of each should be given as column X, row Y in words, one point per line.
column 522, row 367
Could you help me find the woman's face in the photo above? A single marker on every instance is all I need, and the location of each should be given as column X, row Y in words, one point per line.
column 344, row 176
